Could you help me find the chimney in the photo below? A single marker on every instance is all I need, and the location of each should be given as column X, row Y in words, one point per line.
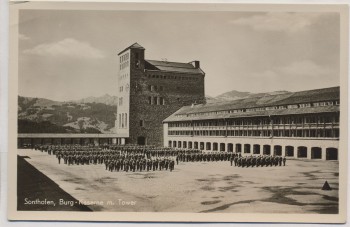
column 195, row 64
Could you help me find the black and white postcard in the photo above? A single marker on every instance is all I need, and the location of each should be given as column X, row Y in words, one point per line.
column 178, row 112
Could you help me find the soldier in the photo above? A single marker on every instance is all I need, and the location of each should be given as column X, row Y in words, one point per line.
column 138, row 166
column 263, row 161
column 172, row 164
column 284, row 161
column 59, row 158
column 235, row 160
column 254, row 160
column 166, row 164
column 161, row 164
column 118, row 165
column 243, row 162
column 155, row 164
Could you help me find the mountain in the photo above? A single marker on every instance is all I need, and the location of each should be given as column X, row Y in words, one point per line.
column 210, row 99
column 106, row 99
column 234, row 95
column 43, row 115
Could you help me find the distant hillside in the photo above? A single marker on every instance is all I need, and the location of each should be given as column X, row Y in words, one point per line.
column 72, row 116
column 105, row 99
column 27, row 126
column 234, row 95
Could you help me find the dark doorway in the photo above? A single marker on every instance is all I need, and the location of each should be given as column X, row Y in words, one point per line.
column 201, row 145
column 331, row 153
column 290, row 151
column 246, row 148
column 189, row 145
column 278, row 150
column 215, row 146
column 238, row 148
column 222, row 147
column 208, row 146
column 266, row 149
column 195, row 145
column 230, row 147
column 141, row 140
column 316, row 153
column 256, row 149
column 302, row 152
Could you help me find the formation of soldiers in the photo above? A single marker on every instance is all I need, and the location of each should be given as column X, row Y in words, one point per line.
column 139, row 164
column 205, row 157
column 148, row 158
column 117, row 157
column 259, row 161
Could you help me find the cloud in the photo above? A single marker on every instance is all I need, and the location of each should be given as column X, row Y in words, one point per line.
column 299, row 69
column 268, row 74
column 66, row 48
column 284, row 22
column 23, row 37
column 305, row 68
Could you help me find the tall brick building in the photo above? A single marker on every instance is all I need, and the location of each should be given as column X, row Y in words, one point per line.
column 149, row 91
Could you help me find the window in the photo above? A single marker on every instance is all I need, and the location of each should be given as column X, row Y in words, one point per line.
column 150, row 100
column 126, row 120
column 149, row 87
column 142, row 123
column 303, row 105
column 155, row 100
column 162, row 101
column 120, row 120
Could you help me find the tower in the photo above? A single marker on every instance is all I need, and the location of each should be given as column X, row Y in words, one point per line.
column 149, row 91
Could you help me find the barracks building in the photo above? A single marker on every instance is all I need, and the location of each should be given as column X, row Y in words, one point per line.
column 295, row 124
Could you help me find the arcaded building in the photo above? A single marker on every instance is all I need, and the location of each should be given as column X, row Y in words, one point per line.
column 150, row 91
column 301, row 124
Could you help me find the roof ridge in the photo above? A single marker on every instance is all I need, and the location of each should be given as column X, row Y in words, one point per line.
column 172, row 62
column 134, row 45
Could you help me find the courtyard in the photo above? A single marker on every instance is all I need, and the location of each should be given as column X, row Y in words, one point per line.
column 191, row 187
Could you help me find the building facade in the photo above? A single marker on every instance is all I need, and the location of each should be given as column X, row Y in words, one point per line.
column 294, row 124
column 149, row 91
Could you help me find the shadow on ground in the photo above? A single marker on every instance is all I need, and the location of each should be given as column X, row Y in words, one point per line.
column 32, row 185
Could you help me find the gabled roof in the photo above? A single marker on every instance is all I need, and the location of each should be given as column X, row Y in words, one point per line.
column 172, row 67
column 265, row 113
column 133, row 46
column 290, row 98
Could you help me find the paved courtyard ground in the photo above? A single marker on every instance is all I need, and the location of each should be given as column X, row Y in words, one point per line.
column 194, row 187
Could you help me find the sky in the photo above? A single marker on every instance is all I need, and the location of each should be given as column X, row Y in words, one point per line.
column 69, row 54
